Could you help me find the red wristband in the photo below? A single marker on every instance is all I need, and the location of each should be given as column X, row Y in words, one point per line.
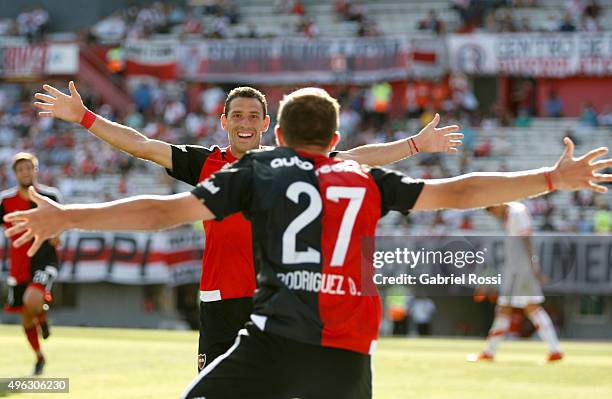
column 414, row 144
column 551, row 188
column 88, row 119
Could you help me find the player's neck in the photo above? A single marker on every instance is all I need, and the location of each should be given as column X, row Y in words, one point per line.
column 23, row 193
column 312, row 149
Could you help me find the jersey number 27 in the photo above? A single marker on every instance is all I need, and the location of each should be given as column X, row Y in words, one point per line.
column 355, row 196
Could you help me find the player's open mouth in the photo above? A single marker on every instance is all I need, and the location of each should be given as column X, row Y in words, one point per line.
column 245, row 135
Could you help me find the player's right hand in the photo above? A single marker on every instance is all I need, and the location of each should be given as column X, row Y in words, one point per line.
column 41, row 223
column 59, row 105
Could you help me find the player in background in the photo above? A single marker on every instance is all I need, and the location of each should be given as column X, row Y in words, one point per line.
column 521, row 283
column 30, row 279
column 312, row 329
column 228, row 276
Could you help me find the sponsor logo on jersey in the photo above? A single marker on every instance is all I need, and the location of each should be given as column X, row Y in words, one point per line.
column 293, row 161
column 346, row 166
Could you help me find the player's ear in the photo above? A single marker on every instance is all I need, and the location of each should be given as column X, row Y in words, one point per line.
column 280, row 141
column 266, row 123
column 334, row 141
column 224, row 122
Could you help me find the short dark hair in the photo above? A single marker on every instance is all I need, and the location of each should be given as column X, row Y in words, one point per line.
column 245, row 92
column 308, row 116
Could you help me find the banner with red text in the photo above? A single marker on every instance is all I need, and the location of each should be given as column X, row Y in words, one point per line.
column 555, row 55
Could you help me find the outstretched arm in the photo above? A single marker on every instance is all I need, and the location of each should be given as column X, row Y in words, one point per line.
column 149, row 212
column 71, row 109
column 429, row 139
column 477, row 190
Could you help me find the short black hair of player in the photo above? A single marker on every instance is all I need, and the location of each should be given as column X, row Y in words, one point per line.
column 245, row 92
column 309, row 116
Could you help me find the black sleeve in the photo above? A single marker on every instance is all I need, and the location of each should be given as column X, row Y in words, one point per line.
column 333, row 154
column 398, row 192
column 229, row 190
column 188, row 161
column 1, row 212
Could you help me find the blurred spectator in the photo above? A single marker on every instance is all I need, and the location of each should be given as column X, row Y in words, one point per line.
column 565, row 225
column 466, row 223
column 33, row 23
column 111, row 29
column 422, row 310
column 583, row 198
column 308, row 28
column 298, row 8
column 602, row 219
column 483, row 149
column 7, row 27
column 567, row 25
column 525, row 25
column 174, row 113
column 397, row 309
column 432, row 23
column 588, row 117
column 523, row 119
column 574, row 9
column 357, row 10
column 524, row 96
column 589, row 24
column 378, row 102
column 547, row 224
column 551, row 24
column 142, row 97
column 193, row 25
column 583, row 225
column 592, row 9
column 367, row 28
column 554, row 106
column 605, row 117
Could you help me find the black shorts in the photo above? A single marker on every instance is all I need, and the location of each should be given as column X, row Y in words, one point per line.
column 220, row 322
column 261, row 365
column 42, row 279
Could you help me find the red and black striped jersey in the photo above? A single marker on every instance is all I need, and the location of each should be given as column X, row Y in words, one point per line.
column 21, row 264
column 309, row 214
column 227, row 264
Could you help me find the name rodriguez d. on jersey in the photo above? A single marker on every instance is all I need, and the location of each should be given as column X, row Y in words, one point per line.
column 325, row 283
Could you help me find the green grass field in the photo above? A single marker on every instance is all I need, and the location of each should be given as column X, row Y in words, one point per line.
column 120, row 363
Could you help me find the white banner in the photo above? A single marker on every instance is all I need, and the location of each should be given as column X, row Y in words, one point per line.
column 170, row 257
column 62, row 59
column 151, row 52
column 38, row 60
column 532, row 54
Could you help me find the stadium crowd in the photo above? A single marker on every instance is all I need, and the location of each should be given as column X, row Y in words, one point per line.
column 213, row 19
column 178, row 112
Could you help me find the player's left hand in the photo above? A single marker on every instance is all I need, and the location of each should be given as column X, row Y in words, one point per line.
column 40, row 223
column 434, row 139
column 571, row 174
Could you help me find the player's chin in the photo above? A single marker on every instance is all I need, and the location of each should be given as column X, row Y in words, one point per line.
column 246, row 145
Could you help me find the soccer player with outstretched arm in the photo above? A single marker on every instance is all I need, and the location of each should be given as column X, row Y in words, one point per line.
column 228, row 275
column 313, row 329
